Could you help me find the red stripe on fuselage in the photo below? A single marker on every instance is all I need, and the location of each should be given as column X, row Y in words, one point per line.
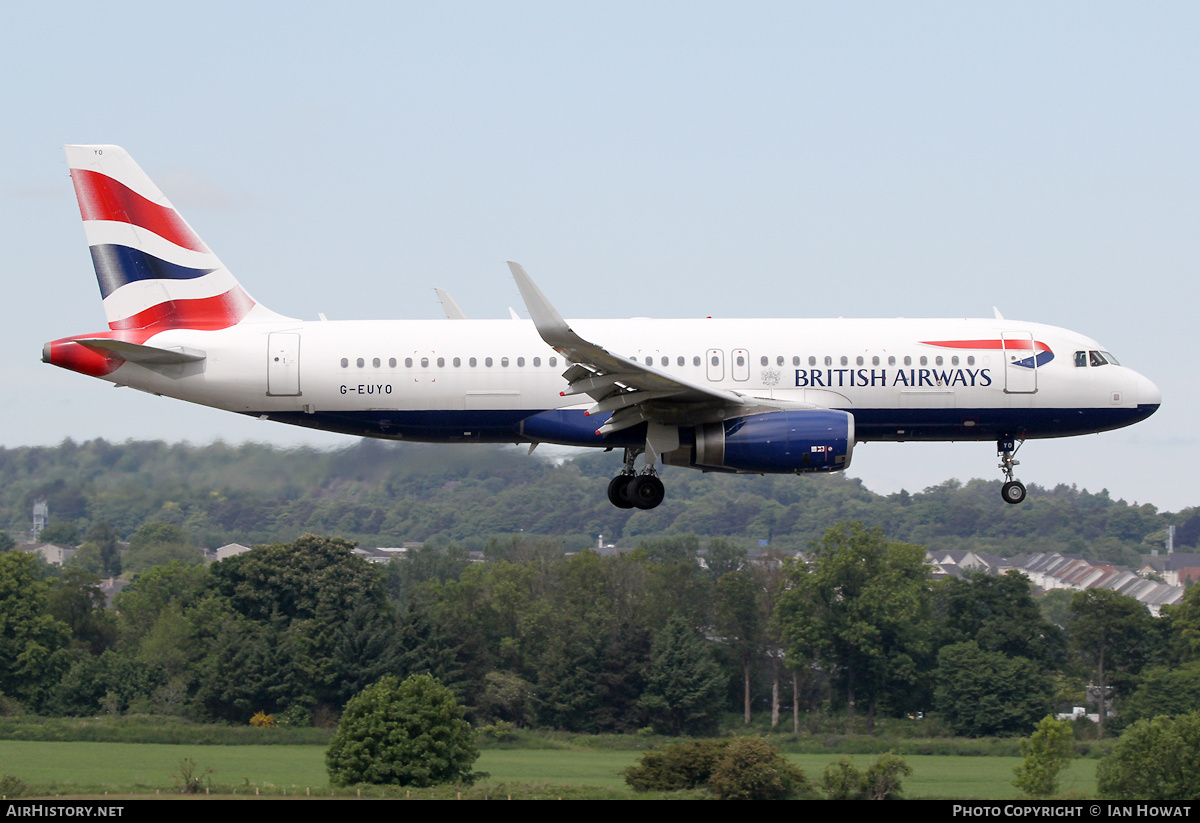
column 1037, row 345
column 203, row 313
column 103, row 198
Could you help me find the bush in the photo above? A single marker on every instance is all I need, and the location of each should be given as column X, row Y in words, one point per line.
column 675, row 767
column 752, row 769
column 12, row 786
column 745, row 768
column 1157, row 759
column 1046, row 754
column 410, row 734
column 843, row 781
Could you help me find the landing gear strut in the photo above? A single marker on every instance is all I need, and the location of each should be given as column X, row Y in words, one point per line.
column 1013, row 491
column 629, row 490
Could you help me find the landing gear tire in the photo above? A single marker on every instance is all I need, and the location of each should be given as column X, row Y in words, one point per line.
column 618, row 488
column 645, row 491
column 1013, row 491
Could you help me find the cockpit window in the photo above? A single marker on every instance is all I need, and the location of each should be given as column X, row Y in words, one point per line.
column 1101, row 358
column 1108, row 356
column 1081, row 360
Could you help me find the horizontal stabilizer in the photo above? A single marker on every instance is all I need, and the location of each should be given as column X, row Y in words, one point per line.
column 141, row 354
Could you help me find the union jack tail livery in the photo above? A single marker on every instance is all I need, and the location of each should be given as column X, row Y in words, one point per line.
column 154, row 271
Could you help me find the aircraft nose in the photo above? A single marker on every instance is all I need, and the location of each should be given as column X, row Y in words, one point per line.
column 1148, row 394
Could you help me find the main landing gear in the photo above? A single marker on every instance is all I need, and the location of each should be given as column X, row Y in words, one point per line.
column 1013, row 491
column 630, row 490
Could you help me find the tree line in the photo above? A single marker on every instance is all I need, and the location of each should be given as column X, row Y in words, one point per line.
column 380, row 493
column 668, row 637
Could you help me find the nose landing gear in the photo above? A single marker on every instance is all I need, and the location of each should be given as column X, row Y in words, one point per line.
column 1013, row 491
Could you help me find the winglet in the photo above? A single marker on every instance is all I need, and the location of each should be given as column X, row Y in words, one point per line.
column 546, row 319
column 453, row 312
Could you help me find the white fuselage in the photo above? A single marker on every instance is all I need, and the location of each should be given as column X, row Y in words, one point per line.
column 444, row 380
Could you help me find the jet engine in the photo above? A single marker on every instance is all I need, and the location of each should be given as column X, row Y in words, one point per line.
column 782, row 442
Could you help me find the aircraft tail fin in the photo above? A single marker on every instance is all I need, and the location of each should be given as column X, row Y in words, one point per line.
column 154, row 271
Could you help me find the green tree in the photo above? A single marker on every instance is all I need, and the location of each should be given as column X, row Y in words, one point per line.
column 411, row 734
column 1157, row 759
column 156, row 544
column 1164, row 690
column 1000, row 614
column 982, row 693
column 684, row 686
column 1109, row 634
column 741, row 623
column 1047, row 754
column 30, row 636
column 860, row 605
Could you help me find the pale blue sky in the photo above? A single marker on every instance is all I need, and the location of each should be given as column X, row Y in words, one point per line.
column 663, row 159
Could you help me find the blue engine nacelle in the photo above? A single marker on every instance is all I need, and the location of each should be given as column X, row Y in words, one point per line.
column 783, row 442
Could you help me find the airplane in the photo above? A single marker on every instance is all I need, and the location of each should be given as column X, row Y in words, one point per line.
column 750, row 396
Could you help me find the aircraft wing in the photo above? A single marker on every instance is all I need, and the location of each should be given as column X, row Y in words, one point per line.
column 634, row 392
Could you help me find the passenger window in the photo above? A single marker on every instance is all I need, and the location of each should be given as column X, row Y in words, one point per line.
column 504, row 362
column 741, row 361
column 375, row 362
column 716, row 361
column 845, row 360
column 679, row 361
column 345, row 363
column 796, row 360
column 472, row 362
column 360, row 362
column 858, row 361
column 764, row 361
column 924, row 360
column 696, row 360
column 649, row 361
column 537, row 361
column 937, row 361
column 666, row 361
column 553, row 362
column 954, row 360
column 828, row 360
column 391, row 362
column 487, row 361
column 441, row 362
column 891, row 360
column 520, row 362
column 812, row 361
column 424, row 362
column 408, row 362
column 457, row 362
column 907, row 360
column 970, row 360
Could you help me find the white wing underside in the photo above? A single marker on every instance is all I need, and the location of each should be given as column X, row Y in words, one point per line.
column 633, row 392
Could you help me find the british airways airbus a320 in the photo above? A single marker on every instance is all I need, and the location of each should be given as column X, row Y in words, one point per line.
column 755, row 396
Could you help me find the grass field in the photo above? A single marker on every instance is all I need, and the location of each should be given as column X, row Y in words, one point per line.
column 74, row 768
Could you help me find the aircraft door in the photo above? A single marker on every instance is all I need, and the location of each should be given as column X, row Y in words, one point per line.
column 283, row 364
column 1020, row 362
column 715, row 363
